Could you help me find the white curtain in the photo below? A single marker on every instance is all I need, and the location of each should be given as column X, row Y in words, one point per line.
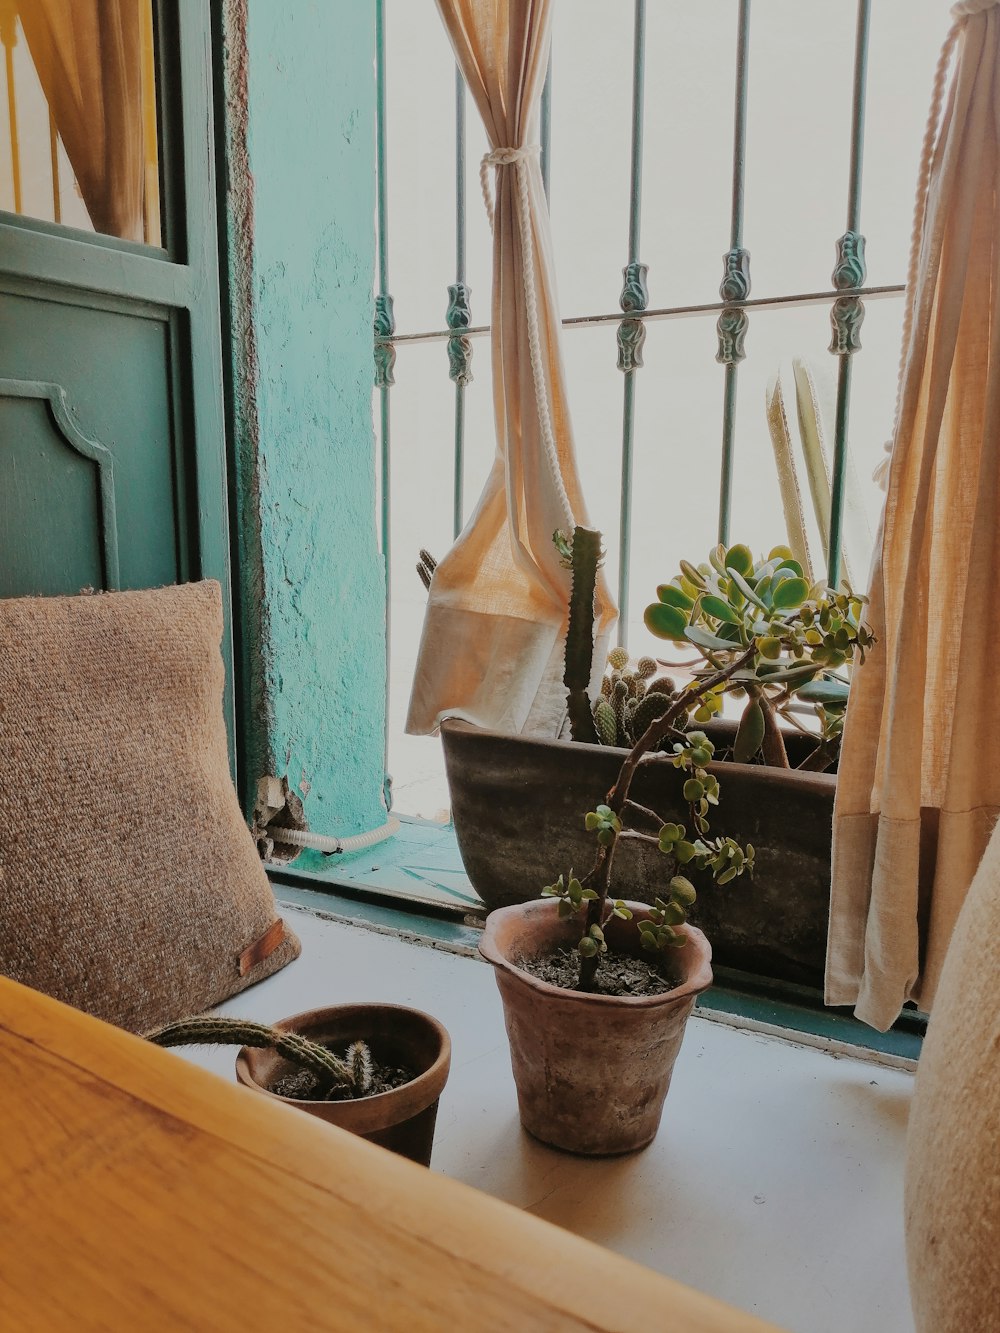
column 492, row 643
column 919, row 786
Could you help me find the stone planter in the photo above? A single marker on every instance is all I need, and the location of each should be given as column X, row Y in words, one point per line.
column 592, row 1071
column 402, row 1119
column 518, row 806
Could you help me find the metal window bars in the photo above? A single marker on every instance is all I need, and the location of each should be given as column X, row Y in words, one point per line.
column 733, row 308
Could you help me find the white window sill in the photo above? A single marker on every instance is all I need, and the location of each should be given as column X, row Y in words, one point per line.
column 775, row 1182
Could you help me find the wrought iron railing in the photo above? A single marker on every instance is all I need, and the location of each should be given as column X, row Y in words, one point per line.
column 733, row 310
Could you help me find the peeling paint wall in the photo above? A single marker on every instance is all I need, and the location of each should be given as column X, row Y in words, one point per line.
column 300, row 120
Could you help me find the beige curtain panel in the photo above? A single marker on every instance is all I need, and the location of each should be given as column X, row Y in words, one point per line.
column 919, row 786
column 492, row 643
column 89, row 59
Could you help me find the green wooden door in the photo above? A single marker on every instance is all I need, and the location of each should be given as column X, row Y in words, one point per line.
column 112, row 447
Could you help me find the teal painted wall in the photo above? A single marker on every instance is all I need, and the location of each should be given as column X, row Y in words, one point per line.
column 301, row 107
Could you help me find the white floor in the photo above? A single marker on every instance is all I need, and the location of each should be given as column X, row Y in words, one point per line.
column 775, row 1182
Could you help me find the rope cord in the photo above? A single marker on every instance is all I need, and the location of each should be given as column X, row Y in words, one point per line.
column 518, row 159
column 960, row 12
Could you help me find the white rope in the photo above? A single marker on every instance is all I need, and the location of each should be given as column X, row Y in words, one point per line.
column 960, row 12
column 518, row 159
column 501, row 157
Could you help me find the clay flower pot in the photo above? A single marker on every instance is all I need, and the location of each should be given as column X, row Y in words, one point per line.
column 402, row 1119
column 592, row 1071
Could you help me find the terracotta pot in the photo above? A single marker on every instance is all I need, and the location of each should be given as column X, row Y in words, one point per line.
column 592, row 1071
column 402, row 1119
column 774, row 925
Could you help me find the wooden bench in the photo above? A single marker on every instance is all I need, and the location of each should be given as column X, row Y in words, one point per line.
column 140, row 1193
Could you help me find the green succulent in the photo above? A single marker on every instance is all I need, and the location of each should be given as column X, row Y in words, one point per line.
column 803, row 639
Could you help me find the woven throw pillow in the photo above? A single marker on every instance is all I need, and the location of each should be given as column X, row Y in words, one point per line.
column 130, row 886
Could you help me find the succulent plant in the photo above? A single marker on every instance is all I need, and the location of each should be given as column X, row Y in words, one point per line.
column 618, row 818
column 631, row 697
column 800, row 641
column 582, row 553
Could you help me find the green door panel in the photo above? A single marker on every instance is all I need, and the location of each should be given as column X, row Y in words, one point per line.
column 57, row 505
column 110, row 370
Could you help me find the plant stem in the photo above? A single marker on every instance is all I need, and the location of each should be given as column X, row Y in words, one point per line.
column 599, row 877
column 773, row 745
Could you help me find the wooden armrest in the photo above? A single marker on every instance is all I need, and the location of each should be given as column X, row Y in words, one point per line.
column 140, row 1192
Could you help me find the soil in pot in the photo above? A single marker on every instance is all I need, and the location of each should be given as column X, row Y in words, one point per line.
column 619, row 974
column 304, row 1086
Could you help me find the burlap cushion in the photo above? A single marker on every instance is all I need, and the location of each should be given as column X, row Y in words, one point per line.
column 129, row 883
column 953, row 1145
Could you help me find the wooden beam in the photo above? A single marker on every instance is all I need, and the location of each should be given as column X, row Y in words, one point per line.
column 142, row 1192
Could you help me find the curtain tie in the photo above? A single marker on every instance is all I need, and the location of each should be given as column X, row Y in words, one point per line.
column 501, row 157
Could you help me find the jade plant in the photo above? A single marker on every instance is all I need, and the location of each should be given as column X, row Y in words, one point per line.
column 618, row 818
column 794, row 642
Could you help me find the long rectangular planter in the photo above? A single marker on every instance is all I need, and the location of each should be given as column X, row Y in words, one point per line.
column 518, row 805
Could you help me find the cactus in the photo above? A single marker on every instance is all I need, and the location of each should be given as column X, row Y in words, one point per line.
column 354, row 1073
column 582, row 554
column 631, row 698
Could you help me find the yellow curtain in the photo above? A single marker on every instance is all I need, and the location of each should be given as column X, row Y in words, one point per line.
column 492, row 643
column 919, row 787
column 88, row 54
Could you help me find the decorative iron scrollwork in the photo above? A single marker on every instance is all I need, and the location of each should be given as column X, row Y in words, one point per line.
column 733, row 322
column 459, row 317
column 848, row 312
column 385, row 351
column 732, row 330
column 735, row 285
column 633, row 301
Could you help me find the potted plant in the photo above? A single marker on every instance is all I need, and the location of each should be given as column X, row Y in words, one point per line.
column 777, row 797
column 376, row 1070
column 594, row 1029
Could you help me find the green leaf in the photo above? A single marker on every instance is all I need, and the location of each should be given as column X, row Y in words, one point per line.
column 703, row 639
column 684, row 851
column 769, row 648
column 588, row 947
column 717, row 558
column 769, row 674
column 740, row 558
column 789, row 592
column 693, row 790
column 825, row 692
column 693, row 575
column 790, row 563
column 674, row 914
column 666, row 622
column 683, row 890
column 670, row 595
column 750, row 734
column 749, row 593
column 719, row 610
